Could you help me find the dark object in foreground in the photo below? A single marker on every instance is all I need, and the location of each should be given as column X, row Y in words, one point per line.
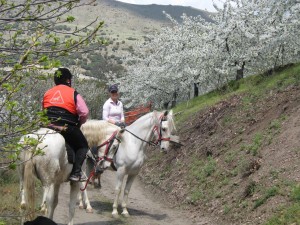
column 40, row 220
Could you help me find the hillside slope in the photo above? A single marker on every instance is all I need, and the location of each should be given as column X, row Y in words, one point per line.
column 240, row 162
column 125, row 25
column 124, row 20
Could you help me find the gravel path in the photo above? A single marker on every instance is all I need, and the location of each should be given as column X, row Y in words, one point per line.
column 143, row 206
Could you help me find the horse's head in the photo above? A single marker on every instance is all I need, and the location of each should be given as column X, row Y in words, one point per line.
column 165, row 130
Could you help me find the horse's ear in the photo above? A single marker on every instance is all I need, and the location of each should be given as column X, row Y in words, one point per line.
column 166, row 113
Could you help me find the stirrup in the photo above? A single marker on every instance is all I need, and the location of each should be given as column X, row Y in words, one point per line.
column 83, row 178
column 74, row 178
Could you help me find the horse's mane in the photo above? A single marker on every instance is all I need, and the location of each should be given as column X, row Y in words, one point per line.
column 171, row 123
column 96, row 131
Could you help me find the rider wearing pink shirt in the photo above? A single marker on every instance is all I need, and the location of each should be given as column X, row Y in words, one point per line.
column 67, row 111
column 113, row 108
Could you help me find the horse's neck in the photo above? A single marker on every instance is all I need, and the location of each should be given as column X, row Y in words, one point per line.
column 143, row 129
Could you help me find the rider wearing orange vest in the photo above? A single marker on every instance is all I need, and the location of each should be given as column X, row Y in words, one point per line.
column 61, row 104
column 66, row 109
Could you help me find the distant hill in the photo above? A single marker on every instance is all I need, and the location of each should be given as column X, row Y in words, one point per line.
column 155, row 12
column 124, row 20
column 125, row 25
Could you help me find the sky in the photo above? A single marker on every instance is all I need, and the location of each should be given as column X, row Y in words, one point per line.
column 199, row 4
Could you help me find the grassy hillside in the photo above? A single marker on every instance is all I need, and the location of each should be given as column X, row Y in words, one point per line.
column 154, row 11
column 240, row 159
column 131, row 22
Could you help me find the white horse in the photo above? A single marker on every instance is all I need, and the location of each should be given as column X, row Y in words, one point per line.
column 130, row 156
column 51, row 168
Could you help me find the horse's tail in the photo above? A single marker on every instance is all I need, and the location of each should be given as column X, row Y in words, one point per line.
column 29, row 186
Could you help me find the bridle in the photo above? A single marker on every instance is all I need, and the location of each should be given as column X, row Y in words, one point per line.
column 158, row 130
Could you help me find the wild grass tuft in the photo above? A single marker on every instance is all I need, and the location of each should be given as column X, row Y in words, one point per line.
column 269, row 193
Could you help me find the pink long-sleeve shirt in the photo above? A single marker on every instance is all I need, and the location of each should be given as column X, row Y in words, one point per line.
column 82, row 109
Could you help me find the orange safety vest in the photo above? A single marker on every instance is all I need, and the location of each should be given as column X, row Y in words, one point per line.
column 60, row 96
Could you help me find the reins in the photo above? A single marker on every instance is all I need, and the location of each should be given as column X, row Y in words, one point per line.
column 108, row 144
column 96, row 160
column 148, row 142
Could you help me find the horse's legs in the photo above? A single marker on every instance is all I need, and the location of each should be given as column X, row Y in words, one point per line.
column 98, row 177
column 99, row 180
column 129, row 182
column 80, row 198
column 74, row 190
column 52, row 199
column 21, row 176
column 44, row 201
column 120, row 178
column 83, row 197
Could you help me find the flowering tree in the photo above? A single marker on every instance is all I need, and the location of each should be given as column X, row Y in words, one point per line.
column 32, row 37
column 246, row 37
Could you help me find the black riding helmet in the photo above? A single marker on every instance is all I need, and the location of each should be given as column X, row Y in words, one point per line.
column 62, row 75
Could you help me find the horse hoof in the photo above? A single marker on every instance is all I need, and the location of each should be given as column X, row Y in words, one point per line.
column 81, row 207
column 97, row 186
column 89, row 210
column 126, row 214
column 43, row 211
column 115, row 215
column 23, row 206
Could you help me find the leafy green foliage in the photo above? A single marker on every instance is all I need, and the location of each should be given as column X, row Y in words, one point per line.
column 32, row 42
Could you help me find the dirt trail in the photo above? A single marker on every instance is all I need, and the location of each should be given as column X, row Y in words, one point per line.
column 144, row 207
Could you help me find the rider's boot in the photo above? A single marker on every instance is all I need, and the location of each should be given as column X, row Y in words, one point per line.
column 76, row 174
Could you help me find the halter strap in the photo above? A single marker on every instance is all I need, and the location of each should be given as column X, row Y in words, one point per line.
column 155, row 128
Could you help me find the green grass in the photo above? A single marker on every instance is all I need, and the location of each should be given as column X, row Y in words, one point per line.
column 291, row 214
column 256, row 144
column 295, row 194
column 194, row 105
column 205, row 174
column 269, row 193
column 200, row 171
column 9, row 192
column 254, row 86
column 10, row 197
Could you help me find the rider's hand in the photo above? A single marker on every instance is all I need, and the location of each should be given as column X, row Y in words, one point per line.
column 120, row 124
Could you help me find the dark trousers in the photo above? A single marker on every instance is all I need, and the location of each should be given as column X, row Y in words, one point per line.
column 78, row 142
column 74, row 138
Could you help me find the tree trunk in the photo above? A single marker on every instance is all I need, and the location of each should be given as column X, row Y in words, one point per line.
column 196, row 90
column 166, row 105
column 240, row 72
column 173, row 102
